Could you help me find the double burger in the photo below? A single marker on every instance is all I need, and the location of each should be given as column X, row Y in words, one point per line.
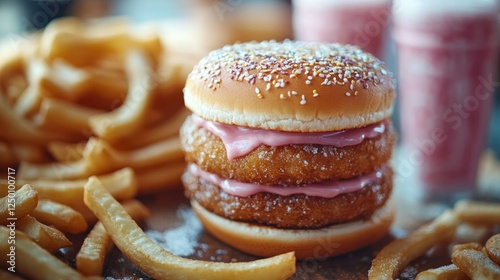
column 288, row 147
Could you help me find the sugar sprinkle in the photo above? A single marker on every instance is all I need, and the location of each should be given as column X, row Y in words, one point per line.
column 272, row 64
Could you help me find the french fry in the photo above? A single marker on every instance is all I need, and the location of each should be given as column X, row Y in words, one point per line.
column 58, row 239
column 64, row 117
column 95, row 43
column 47, row 237
column 59, row 41
column 105, row 86
column 18, row 205
column 467, row 233
column 471, row 245
column 477, row 212
column 160, row 177
column 492, row 247
column 55, row 171
column 476, row 264
column 162, row 264
column 442, row 273
column 35, row 230
column 122, row 184
column 393, row 258
column 29, row 101
column 57, row 80
column 127, row 119
column 15, row 87
column 163, row 130
column 101, row 156
column 62, row 217
column 66, row 152
column 90, row 258
column 66, row 80
column 22, row 131
column 60, row 26
column 32, row 261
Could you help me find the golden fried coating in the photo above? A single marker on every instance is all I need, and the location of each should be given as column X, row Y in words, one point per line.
column 294, row 211
column 286, row 165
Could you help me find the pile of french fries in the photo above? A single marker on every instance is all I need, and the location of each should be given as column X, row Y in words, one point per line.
column 41, row 224
column 90, row 114
column 36, row 228
column 90, row 98
column 470, row 260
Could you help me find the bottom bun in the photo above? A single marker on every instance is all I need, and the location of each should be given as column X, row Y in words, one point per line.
column 321, row 243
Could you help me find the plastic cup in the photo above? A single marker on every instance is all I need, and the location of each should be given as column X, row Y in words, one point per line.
column 447, row 57
column 357, row 22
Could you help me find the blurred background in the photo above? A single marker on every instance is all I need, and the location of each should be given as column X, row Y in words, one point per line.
column 217, row 22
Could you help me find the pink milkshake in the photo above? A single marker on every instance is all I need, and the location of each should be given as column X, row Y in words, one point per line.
column 447, row 53
column 357, row 22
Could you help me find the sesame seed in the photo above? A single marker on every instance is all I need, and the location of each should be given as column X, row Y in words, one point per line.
column 282, row 96
column 303, row 100
column 260, row 95
column 294, row 92
column 276, row 63
column 348, row 93
column 257, row 90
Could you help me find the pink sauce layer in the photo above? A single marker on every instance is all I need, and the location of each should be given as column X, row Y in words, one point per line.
column 327, row 189
column 240, row 141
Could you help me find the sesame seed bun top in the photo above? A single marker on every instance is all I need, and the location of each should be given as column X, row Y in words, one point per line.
column 291, row 86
